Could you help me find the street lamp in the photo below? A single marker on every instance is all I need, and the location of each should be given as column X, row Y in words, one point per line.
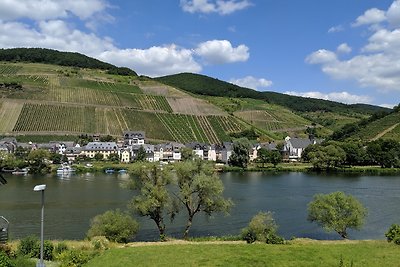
column 38, row 188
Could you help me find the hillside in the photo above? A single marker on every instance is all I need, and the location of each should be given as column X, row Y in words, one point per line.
column 203, row 85
column 43, row 99
column 49, row 56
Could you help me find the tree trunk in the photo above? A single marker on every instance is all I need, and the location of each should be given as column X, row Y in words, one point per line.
column 343, row 234
column 161, row 228
column 188, row 225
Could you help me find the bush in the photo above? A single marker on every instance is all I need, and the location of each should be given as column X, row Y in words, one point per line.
column 5, row 260
column 100, row 243
column 262, row 227
column 393, row 234
column 7, row 250
column 23, row 261
column 74, row 258
column 116, row 226
column 29, row 246
column 60, row 248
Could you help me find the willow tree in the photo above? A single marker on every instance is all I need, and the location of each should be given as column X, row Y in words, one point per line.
column 153, row 200
column 200, row 190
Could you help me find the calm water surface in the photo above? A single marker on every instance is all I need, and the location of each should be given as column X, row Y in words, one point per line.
column 71, row 202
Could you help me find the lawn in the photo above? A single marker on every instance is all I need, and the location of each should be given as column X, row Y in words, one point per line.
column 297, row 253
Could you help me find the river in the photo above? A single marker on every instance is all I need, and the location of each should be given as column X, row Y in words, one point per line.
column 70, row 203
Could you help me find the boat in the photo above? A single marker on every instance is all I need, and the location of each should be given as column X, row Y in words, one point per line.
column 109, row 171
column 65, row 169
column 22, row 171
column 122, row 171
column 8, row 170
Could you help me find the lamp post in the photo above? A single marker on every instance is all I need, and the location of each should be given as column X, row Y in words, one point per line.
column 38, row 188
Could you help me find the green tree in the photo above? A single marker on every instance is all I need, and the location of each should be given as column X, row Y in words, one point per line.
column 187, row 153
column 326, row 157
column 116, row 226
column 263, row 156
column 114, row 157
column 141, row 154
column 393, row 234
column 337, row 212
column 37, row 161
column 240, row 154
column 200, row 190
column 355, row 153
column 153, row 199
column 98, row 156
column 385, row 152
column 275, row 157
column 262, row 227
column 55, row 158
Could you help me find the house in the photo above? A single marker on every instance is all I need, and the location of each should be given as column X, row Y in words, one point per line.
column 293, row 147
column 72, row 153
column 226, row 151
column 8, row 144
column 125, row 155
column 134, row 138
column 199, row 149
column 253, row 152
column 104, row 148
column 168, row 152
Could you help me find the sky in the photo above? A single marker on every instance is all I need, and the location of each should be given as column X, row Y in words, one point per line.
column 341, row 50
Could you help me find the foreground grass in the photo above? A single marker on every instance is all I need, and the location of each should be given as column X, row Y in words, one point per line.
column 297, row 253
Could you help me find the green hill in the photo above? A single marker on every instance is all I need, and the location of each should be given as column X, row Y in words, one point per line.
column 49, row 56
column 204, row 85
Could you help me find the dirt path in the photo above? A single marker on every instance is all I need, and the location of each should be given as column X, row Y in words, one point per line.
column 385, row 132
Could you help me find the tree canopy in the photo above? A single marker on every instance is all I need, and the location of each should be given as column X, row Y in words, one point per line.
column 337, row 212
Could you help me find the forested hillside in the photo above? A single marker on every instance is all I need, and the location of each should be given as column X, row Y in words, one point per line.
column 48, row 56
column 204, row 85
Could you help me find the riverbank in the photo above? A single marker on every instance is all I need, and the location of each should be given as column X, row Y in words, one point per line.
column 299, row 252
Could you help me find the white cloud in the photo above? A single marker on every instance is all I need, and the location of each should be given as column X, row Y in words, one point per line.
column 343, row 48
column 221, row 52
column 377, row 63
column 343, row 97
column 155, row 61
column 321, row 56
column 393, row 14
column 222, row 7
column 49, row 9
column 387, row 105
column 337, row 28
column 252, row 82
column 371, row 16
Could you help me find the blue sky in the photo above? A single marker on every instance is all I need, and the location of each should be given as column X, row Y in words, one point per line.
column 342, row 50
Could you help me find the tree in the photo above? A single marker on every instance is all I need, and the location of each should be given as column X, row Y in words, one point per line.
column 187, row 153
column 337, row 212
column 275, row 157
column 37, row 161
column 385, row 152
column 240, row 154
column 114, row 157
column 326, row 157
column 200, row 190
column 262, row 227
column 153, row 199
column 141, row 154
column 263, row 156
column 116, row 226
column 393, row 234
column 98, row 156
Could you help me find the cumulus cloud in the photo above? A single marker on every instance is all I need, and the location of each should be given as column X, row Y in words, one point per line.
column 155, row 61
column 343, row 97
column 221, row 52
column 252, row 82
column 222, row 7
column 49, row 9
column 371, row 16
column 338, row 28
column 376, row 65
column 393, row 14
column 343, row 48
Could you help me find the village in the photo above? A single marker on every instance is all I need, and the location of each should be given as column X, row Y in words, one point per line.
column 133, row 143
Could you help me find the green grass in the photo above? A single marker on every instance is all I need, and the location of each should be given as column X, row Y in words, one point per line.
column 362, row 253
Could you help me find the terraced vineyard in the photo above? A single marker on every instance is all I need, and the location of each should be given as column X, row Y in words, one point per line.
column 375, row 128
column 8, row 69
column 9, row 113
column 100, row 85
column 55, row 118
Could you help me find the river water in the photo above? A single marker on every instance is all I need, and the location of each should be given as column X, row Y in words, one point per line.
column 70, row 203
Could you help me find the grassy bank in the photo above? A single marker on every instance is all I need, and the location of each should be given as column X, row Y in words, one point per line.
column 297, row 253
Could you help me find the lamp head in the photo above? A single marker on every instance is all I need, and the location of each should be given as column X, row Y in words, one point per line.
column 39, row 187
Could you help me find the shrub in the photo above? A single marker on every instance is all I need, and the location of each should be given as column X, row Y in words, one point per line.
column 116, row 226
column 262, row 227
column 60, row 248
column 23, row 261
column 5, row 260
column 29, row 246
column 393, row 234
column 74, row 258
column 100, row 243
column 7, row 250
